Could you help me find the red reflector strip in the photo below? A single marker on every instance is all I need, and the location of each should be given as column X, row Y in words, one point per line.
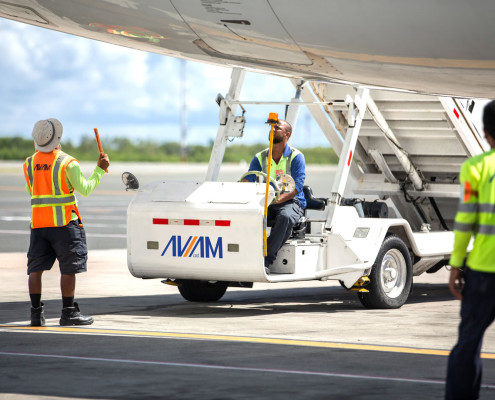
column 350, row 158
column 456, row 113
column 220, row 222
column 191, row 222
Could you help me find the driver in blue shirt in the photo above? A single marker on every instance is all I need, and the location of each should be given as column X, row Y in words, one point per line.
column 290, row 206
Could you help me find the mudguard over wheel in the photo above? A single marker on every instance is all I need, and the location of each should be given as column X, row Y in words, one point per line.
column 202, row 291
column 391, row 276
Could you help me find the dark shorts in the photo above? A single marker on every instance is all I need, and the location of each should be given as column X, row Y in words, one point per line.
column 67, row 244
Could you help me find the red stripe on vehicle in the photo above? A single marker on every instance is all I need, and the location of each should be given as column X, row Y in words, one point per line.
column 220, row 222
column 350, row 158
column 191, row 222
column 160, row 221
column 456, row 113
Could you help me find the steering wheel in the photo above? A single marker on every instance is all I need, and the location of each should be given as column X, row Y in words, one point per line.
column 272, row 181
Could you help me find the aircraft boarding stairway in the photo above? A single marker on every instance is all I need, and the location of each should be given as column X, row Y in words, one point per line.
column 409, row 148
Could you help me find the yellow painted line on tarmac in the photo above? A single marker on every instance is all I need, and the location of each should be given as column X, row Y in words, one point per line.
column 230, row 338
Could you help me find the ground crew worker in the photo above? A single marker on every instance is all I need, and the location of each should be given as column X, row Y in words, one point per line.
column 475, row 283
column 56, row 226
column 290, row 206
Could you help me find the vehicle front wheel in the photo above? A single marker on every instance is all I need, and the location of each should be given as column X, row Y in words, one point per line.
column 202, row 291
column 390, row 277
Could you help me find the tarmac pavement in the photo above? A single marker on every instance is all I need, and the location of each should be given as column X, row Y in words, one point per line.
column 307, row 340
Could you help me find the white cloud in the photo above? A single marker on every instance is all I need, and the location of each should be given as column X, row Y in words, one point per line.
column 127, row 92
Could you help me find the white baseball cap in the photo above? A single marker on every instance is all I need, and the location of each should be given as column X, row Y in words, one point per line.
column 47, row 134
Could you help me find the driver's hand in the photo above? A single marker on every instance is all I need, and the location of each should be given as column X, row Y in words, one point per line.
column 286, row 196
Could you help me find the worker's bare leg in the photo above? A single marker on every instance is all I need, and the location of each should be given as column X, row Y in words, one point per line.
column 34, row 282
column 68, row 285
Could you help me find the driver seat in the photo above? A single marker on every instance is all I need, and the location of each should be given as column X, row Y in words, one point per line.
column 312, row 203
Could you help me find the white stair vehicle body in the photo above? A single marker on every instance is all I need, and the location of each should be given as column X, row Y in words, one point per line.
column 401, row 151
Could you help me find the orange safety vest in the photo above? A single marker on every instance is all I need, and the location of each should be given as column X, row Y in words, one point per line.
column 52, row 202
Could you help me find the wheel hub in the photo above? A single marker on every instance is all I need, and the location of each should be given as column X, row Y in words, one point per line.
column 389, row 275
column 393, row 273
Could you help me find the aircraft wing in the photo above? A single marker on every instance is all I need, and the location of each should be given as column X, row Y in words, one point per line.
column 427, row 46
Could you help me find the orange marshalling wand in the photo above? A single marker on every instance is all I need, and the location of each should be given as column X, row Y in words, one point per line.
column 98, row 142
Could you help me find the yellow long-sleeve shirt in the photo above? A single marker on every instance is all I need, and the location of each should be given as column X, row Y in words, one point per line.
column 476, row 214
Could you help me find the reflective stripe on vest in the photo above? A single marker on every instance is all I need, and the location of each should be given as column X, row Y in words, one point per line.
column 52, row 201
column 263, row 157
column 30, row 172
column 464, row 227
column 476, row 208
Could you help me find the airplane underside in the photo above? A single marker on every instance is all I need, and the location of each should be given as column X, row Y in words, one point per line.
column 426, row 46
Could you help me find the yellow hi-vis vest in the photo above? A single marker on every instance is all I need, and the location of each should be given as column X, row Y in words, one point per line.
column 52, row 202
column 283, row 166
column 476, row 214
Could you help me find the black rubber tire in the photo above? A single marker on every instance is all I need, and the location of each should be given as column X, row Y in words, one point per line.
column 389, row 287
column 202, row 291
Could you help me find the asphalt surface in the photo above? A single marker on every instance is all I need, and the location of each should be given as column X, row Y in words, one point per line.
column 310, row 340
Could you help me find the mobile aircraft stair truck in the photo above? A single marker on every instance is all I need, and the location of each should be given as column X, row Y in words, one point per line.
column 402, row 152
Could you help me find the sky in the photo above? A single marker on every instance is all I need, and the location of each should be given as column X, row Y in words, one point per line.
column 124, row 92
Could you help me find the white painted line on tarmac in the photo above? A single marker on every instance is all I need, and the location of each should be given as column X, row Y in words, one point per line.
column 107, row 235
column 9, row 218
column 232, row 368
column 86, row 224
column 91, row 216
column 28, row 232
column 91, row 225
column 13, row 232
column 15, row 218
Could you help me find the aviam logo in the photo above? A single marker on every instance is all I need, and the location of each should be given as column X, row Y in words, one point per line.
column 195, row 246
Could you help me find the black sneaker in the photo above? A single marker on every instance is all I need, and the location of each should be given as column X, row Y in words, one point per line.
column 73, row 316
column 38, row 316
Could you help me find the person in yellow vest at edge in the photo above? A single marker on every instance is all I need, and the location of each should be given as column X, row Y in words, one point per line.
column 56, row 226
column 290, row 206
column 474, row 283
